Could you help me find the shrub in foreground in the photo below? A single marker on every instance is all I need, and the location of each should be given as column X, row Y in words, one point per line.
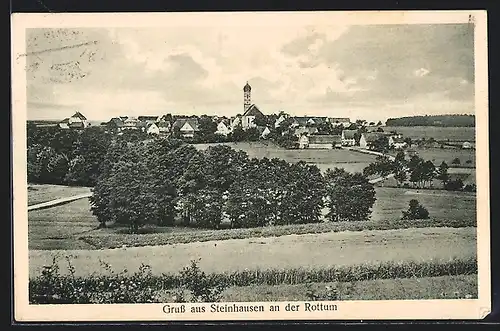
column 416, row 211
column 193, row 285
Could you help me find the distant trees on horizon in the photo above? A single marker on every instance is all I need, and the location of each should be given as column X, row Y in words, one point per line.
column 434, row 120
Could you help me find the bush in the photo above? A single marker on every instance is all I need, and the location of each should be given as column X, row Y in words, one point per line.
column 193, row 285
column 470, row 188
column 454, row 185
column 415, row 211
column 331, row 293
column 455, row 161
column 201, row 287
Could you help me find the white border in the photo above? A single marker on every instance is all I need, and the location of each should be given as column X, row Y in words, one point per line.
column 348, row 310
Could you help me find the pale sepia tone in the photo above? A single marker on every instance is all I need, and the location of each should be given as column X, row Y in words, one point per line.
column 181, row 166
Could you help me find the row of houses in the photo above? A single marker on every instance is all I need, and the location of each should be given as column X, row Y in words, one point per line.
column 189, row 126
column 347, row 139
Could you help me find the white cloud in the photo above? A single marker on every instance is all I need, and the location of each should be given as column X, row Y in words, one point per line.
column 150, row 70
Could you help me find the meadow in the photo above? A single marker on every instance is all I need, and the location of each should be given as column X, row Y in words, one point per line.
column 72, row 225
column 385, row 258
column 38, row 193
column 438, row 133
column 425, row 288
column 441, row 204
column 323, row 158
column 284, row 252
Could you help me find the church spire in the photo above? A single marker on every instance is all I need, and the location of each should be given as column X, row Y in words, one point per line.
column 246, row 96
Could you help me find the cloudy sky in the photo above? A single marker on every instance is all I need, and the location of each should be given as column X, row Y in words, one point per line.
column 369, row 72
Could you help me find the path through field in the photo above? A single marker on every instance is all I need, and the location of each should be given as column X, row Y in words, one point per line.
column 292, row 251
column 57, row 202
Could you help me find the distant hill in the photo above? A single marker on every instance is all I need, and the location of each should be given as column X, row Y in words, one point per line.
column 434, row 120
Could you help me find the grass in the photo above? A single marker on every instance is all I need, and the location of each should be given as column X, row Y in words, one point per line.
column 442, row 205
column 426, row 288
column 56, row 227
column 285, row 252
column 38, row 193
column 323, row 158
column 103, row 240
column 72, row 225
column 438, row 133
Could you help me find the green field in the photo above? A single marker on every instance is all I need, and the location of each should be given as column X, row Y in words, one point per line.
column 443, row 287
column 285, row 252
column 419, row 248
column 323, row 158
column 56, row 227
column 72, row 225
column 438, row 133
column 441, row 204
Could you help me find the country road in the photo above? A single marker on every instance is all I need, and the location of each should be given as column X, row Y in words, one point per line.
column 366, row 151
column 56, row 202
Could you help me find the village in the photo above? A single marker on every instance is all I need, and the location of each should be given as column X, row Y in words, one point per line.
column 178, row 201
column 313, row 132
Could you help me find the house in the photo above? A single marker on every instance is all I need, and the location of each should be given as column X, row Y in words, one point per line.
column 280, row 120
column 248, row 117
column 367, row 138
column 466, row 145
column 130, row 123
column 115, row 124
column 223, row 128
column 324, row 141
column 304, row 121
column 235, row 122
column 152, row 128
column 64, row 124
column 78, row 121
column 308, row 130
column 186, row 126
column 264, row 132
column 298, row 122
column 149, row 119
column 397, row 143
column 337, row 121
column 164, row 127
column 303, row 141
column 349, row 137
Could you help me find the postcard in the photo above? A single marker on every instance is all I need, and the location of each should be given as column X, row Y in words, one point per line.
column 250, row 166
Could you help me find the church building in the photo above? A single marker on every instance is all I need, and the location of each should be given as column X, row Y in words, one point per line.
column 251, row 111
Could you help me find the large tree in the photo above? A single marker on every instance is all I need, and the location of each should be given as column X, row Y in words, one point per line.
column 350, row 195
column 442, row 173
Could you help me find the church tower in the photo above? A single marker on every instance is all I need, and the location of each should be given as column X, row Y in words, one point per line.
column 246, row 96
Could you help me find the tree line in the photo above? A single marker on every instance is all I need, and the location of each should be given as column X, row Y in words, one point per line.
column 167, row 182
column 69, row 157
column 434, row 120
column 419, row 172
